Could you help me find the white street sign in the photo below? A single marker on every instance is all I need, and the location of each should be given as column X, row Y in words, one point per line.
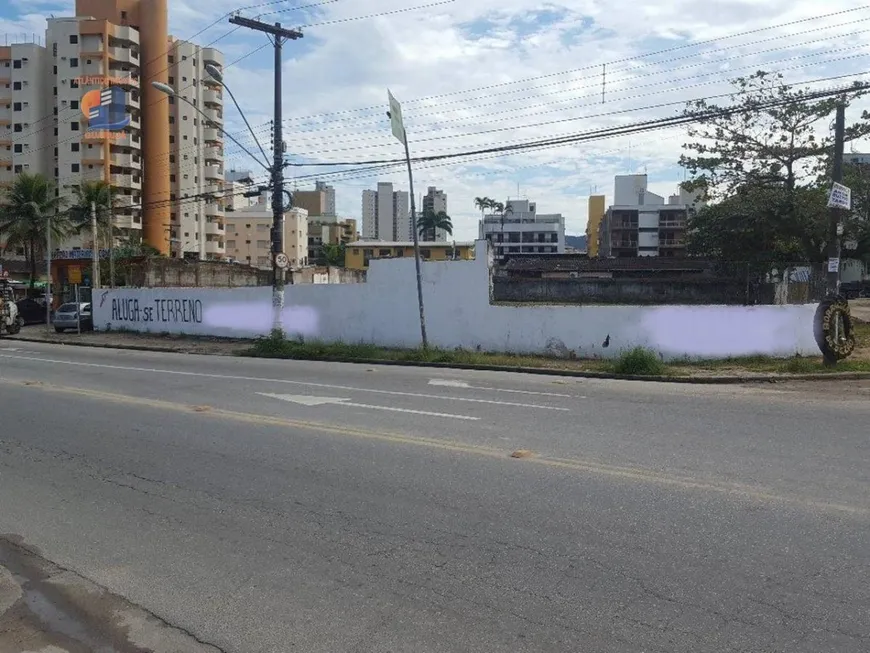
column 282, row 261
column 396, row 122
column 840, row 197
column 307, row 400
column 833, row 265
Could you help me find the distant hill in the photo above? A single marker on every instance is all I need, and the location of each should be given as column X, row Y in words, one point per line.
column 577, row 242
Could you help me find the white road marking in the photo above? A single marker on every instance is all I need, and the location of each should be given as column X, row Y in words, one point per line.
column 307, row 400
column 229, row 377
column 451, row 383
column 9, row 349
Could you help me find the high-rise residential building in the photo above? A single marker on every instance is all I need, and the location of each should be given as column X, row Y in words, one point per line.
column 83, row 108
column 596, row 208
column 435, row 201
column 196, row 153
column 641, row 223
column 329, row 211
column 522, row 230
column 386, row 214
column 236, row 184
column 328, row 232
column 249, row 234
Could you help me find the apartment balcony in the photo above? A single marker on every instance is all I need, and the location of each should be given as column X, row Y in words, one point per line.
column 123, row 55
column 214, row 210
column 215, row 115
column 213, row 172
column 215, row 247
column 214, row 228
column 124, row 221
column 212, row 189
column 671, row 243
column 93, row 174
column 5, row 115
column 133, row 182
column 126, row 160
column 212, row 56
column 213, row 154
column 94, row 68
column 133, row 101
column 211, row 135
column 212, row 97
column 125, row 33
column 122, row 201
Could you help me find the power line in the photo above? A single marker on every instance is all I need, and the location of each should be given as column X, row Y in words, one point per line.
column 597, row 66
column 573, row 119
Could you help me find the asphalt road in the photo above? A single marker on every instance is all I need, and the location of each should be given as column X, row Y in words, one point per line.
column 295, row 506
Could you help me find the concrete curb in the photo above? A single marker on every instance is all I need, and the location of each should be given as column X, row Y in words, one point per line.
column 541, row 371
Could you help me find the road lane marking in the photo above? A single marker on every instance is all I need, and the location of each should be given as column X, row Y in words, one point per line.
column 451, row 383
column 591, row 467
column 308, row 400
column 228, row 377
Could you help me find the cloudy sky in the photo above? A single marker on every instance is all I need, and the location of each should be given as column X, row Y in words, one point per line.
column 476, row 74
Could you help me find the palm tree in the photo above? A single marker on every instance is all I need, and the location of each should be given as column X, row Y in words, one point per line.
column 483, row 204
column 27, row 209
column 333, row 254
column 430, row 222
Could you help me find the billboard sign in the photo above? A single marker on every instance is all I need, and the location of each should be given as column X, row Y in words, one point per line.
column 105, row 109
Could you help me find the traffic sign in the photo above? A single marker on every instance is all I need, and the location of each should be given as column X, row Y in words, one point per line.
column 281, row 260
column 840, row 197
column 74, row 274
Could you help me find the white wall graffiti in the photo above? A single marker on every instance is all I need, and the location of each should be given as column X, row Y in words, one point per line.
column 383, row 311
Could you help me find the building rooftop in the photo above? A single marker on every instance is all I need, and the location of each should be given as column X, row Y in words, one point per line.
column 580, row 263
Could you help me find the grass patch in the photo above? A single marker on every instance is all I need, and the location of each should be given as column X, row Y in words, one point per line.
column 639, row 362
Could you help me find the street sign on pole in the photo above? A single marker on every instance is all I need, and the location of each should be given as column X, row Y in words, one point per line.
column 840, row 197
column 281, row 260
column 396, row 122
column 74, row 274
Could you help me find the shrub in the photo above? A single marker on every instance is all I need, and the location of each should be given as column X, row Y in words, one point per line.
column 639, row 362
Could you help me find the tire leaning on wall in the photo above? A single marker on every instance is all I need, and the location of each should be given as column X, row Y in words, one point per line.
column 824, row 328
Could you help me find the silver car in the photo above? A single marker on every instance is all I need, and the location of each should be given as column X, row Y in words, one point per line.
column 69, row 315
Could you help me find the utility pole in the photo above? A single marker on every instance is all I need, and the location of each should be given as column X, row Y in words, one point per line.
column 833, row 284
column 277, row 35
column 111, row 240
column 95, row 249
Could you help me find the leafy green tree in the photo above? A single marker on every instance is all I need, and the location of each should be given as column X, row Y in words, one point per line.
column 762, row 162
column 430, row 222
column 27, row 208
column 332, row 254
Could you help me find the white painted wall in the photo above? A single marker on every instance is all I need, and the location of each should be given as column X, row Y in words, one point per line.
column 383, row 311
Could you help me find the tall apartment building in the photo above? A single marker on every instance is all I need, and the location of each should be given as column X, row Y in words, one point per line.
column 595, row 210
column 83, row 108
column 329, row 191
column 386, row 214
column 436, row 201
column 522, row 230
column 641, row 223
column 196, row 153
column 236, row 184
column 249, row 234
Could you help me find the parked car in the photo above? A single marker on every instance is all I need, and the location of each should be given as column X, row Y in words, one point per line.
column 32, row 311
column 68, row 316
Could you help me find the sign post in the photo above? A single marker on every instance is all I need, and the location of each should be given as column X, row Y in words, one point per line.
column 78, row 311
column 397, row 125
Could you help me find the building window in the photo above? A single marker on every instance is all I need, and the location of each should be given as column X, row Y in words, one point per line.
column 18, row 148
column 16, row 63
column 73, row 83
column 171, row 78
column 74, row 167
column 74, row 147
column 73, row 62
column 73, row 38
column 74, row 125
column 17, row 127
column 74, row 104
column 16, row 106
column 172, row 178
column 16, row 86
column 54, row 70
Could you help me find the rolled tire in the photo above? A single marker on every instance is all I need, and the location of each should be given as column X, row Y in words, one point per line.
column 824, row 328
column 15, row 327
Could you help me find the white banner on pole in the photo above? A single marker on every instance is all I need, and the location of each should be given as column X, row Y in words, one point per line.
column 840, row 197
column 396, row 121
